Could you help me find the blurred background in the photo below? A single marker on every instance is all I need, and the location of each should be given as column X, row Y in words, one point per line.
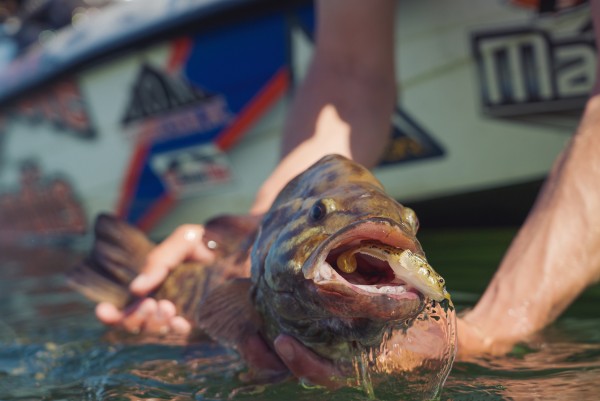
column 166, row 112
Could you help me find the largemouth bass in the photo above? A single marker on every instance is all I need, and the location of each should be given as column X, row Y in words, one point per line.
column 335, row 263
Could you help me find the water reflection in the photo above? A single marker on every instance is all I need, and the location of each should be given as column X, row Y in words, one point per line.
column 52, row 348
column 546, row 369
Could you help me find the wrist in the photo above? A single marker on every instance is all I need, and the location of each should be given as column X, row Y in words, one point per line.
column 266, row 196
column 476, row 339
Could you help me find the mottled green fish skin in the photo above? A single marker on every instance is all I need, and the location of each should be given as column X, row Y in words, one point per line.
column 331, row 195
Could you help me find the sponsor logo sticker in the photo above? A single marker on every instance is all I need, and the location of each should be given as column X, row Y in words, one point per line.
column 531, row 70
column 191, row 170
column 164, row 106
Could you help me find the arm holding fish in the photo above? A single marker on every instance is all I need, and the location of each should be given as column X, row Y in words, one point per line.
column 555, row 255
column 325, row 118
column 551, row 261
column 345, row 102
column 548, row 265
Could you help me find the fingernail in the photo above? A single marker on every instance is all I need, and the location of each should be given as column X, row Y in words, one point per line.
column 286, row 350
column 144, row 309
column 138, row 282
column 180, row 326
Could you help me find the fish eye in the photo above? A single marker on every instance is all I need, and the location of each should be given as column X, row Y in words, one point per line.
column 317, row 211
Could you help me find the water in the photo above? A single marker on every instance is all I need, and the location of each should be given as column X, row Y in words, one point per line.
column 52, row 347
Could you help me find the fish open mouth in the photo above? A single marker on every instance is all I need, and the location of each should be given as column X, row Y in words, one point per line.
column 366, row 271
column 357, row 259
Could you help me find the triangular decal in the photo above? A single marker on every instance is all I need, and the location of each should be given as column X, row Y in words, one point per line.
column 409, row 141
column 156, row 92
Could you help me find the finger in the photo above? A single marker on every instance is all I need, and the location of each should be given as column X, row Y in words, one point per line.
column 183, row 244
column 159, row 322
column 108, row 314
column 180, row 325
column 135, row 318
column 262, row 361
column 305, row 364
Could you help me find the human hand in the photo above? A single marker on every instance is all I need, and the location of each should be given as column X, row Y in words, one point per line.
column 307, row 366
column 151, row 316
column 472, row 341
column 289, row 356
column 429, row 343
column 147, row 316
column 310, row 368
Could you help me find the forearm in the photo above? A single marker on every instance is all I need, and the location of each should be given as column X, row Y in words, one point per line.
column 556, row 254
column 346, row 100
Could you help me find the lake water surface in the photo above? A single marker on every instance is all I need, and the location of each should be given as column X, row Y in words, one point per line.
column 52, row 347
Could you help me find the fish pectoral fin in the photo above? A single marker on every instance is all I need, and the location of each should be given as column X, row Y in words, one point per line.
column 227, row 314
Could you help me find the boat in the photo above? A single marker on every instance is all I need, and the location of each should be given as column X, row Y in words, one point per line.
column 167, row 112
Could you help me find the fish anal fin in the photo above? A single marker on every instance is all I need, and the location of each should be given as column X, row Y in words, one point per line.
column 227, row 314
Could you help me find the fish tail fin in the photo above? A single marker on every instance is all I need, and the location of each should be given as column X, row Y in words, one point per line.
column 118, row 254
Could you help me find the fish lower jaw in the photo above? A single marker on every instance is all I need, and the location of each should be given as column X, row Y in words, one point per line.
column 396, row 291
column 327, row 276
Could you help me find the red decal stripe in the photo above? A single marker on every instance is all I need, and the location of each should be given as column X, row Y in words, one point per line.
column 156, row 212
column 129, row 185
column 179, row 54
column 272, row 91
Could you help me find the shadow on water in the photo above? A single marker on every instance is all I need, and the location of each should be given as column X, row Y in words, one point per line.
column 52, row 347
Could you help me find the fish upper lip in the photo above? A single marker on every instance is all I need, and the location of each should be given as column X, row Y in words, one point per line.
column 383, row 230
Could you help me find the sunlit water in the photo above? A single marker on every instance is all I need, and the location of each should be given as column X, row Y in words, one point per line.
column 52, row 348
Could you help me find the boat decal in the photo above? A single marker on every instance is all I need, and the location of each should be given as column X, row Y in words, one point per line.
column 41, row 206
column 528, row 70
column 409, row 141
column 198, row 100
column 187, row 171
column 165, row 106
column 62, row 105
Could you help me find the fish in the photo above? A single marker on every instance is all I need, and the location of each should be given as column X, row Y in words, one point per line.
column 335, row 263
column 120, row 251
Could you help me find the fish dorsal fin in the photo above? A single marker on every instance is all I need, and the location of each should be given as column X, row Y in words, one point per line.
column 230, row 233
column 227, row 314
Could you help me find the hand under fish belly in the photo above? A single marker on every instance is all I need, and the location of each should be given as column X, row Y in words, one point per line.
column 335, row 263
